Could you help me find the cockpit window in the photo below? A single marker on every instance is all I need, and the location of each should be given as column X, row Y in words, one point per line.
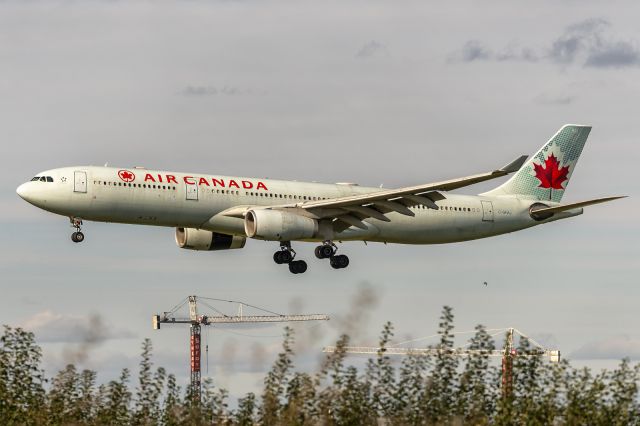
column 49, row 179
column 35, row 178
column 42, row 179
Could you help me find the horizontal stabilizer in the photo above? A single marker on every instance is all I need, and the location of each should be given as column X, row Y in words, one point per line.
column 564, row 207
column 515, row 165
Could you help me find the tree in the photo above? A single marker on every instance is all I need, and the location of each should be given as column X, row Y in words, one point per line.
column 245, row 414
column 441, row 386
column 22, row 394
column 276, row 381
column 116, row 400
column 476, row 395
column 380, row 376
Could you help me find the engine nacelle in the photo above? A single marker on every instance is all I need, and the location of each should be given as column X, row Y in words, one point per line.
column 277, row 225
column 199, row 239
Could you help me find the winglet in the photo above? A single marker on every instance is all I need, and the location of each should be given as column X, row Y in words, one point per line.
column 515, row 165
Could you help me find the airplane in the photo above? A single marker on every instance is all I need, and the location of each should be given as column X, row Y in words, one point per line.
column 212, row 212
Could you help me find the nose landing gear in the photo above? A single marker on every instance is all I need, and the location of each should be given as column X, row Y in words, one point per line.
column 77, row 236
column 328, row 251
column 286, row 255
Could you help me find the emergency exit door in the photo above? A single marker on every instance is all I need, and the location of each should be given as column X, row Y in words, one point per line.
column 192, row 192
column 487, row 211
column 79, row 181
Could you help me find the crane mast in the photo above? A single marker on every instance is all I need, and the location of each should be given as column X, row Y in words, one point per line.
column 196, row 321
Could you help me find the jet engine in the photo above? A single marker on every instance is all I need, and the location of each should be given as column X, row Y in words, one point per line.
column 199, row 239
column 277, row 225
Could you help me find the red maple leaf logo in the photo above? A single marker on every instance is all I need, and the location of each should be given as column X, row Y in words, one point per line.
column 551, row 175
column 126, row 175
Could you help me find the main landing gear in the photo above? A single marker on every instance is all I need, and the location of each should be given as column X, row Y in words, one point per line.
column 76, row 237
column 328, row 251
column 286, row 255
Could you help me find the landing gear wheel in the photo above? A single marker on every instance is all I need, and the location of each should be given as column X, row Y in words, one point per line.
column 77, row 237
column 277, row 257
column 298, row 267
column 343, row 261
column 325, row 251
column 339, row 262
column 286, row 256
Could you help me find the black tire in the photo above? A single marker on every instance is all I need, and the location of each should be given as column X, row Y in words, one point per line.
column 343, row 261
column 73, row 237
column 277, row 257
column 293, row 267
column 302, row 266
column 79, row 237
column 333, row 261
column 286, row 256
column 317, row 252
column 326, row 251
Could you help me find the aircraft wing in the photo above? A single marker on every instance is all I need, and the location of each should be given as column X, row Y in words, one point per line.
column 351, row 210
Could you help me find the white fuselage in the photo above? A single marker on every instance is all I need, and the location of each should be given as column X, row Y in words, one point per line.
column 150, row 197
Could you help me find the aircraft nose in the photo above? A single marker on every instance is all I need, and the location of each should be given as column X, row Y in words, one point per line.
column 23, row 191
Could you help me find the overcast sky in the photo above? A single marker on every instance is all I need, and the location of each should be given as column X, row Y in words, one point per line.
column 375, row 92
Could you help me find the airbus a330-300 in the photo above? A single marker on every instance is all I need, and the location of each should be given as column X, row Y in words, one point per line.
column 212, row 212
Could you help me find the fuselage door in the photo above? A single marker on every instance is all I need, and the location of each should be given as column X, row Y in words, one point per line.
column 487, row 211
column 79, row 181
column 192, row 192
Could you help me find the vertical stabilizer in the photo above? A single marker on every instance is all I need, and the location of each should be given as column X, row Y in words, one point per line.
column 546, row 175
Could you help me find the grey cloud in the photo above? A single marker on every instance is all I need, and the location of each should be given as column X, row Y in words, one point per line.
column 80, row 334
column 576, row 38
column 359, row 312
column 589, row 43
column 616, row 347
column 51, row 327
column 525, row 54
column 370, row 49
column 620, row 54
column 473, row 50
column 546, row 99
column 206, row 91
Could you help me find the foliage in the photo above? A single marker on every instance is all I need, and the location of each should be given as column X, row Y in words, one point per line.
column 445, row 389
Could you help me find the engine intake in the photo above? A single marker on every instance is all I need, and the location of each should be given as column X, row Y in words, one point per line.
column 199, row 239
column 277, row 225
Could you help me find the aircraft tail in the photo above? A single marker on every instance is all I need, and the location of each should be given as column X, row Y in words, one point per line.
column 546, row 175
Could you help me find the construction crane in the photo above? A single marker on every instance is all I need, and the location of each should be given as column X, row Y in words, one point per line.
column 196, row 320
column 507, row 354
